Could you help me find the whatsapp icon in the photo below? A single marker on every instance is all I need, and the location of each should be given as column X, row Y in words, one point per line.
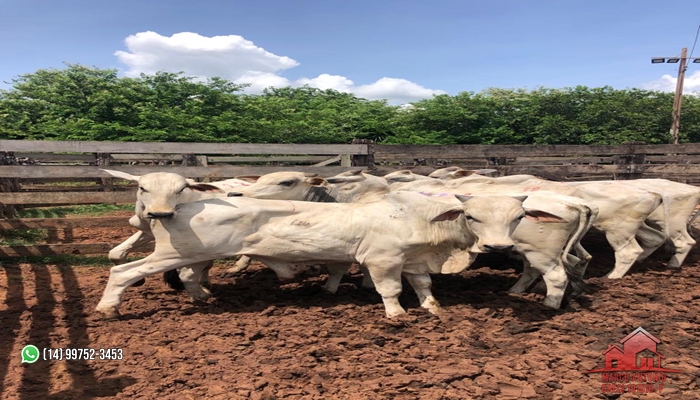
column 30, row 354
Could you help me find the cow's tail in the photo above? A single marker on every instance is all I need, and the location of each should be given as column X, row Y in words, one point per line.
column 578, row 286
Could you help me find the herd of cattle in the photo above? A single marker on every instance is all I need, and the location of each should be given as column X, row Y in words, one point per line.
column 402, row 224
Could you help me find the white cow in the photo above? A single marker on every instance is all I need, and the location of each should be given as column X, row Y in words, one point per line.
column 623, row 209
column 404, row 232
column 161, row 190
column 544, row 245
column 679, row 202
column 672, row 218
column 669, row 220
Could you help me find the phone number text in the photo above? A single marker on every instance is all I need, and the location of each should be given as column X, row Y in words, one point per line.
column 67, row 354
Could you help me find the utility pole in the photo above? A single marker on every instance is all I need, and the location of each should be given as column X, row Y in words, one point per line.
column 678, row 97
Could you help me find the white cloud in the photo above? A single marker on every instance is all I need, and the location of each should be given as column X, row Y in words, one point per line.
column 234, row 58
column 667, row 83
column 326, row 81
column 229, row 57
column 400, row 90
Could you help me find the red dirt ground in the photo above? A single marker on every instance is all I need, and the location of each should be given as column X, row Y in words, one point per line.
column 260, row 339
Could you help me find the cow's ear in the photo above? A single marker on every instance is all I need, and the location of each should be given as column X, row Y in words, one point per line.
column 521, row 198
column 542, row 216
column 485, row 171
column 462, row 197
column 344, row 179
column 123, row 175
column 400, row 178
column 249, row 178
column 404, row 175
column 204, row 187
column 337, row 179
column 450, row 215
column 462, row 173
column 317, row 182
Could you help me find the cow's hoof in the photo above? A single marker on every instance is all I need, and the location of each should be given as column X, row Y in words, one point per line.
column 140, row 282
column 201, row 297
column 109, row 313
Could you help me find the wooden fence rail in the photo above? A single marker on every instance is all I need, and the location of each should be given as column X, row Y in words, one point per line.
column 39, row 173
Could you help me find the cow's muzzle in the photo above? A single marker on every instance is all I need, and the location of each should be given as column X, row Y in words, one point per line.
column 160, row 215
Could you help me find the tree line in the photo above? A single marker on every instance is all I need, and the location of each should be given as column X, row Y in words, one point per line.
column 84, row 103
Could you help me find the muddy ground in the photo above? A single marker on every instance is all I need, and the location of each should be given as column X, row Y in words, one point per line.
column 261, row 339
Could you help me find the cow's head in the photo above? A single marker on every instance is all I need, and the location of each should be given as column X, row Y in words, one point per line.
column 357, row 186
column 492, row 219
column 449, row 172
column 288, row 186
column 403, row 175
column 160, row 192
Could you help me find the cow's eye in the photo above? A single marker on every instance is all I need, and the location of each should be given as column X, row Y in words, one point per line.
column 181, row 190
column 288, row 183
column 142, row 189
column 520, row 217
column 470, row 218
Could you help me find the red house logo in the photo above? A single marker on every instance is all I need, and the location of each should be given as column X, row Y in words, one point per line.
column 634, row 367
column 638, row 354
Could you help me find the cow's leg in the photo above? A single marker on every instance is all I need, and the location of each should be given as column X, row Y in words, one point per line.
column 242, row 263
column 386, row 275
column 528, row 276
column 118, row 254
column 549, row 265
column 335, row 275
column 649, row 239
column 626, row 248
column 683, row 246
column 556, row 280
column 422, row 283
column 192, row 276
column 124, row 275
column 366, row 279
column 204, row 280
column 584, row 259
column 681, row 238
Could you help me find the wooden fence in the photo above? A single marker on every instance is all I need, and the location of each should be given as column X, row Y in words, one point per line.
column 44, row 173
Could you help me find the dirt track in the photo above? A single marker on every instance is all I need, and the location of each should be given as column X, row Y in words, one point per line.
column 264, row 340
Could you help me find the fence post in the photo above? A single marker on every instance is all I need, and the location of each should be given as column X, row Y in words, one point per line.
column 362, row 160
column 634, row 163
column 8, row 185
column 102, row 160
column 345, row 160
column 202, row 161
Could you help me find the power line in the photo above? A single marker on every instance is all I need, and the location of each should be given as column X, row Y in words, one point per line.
column 695, row 42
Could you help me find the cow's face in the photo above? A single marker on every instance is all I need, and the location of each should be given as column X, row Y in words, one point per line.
column 285, row 186
column 354, row 186
column 160, row 192
column 492, row 219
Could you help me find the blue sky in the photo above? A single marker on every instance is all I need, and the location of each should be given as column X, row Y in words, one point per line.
column 400, row 50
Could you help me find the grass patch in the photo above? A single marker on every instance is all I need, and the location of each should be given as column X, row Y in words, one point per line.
column 69, row 260
column 94, row 210
column 19, row 237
